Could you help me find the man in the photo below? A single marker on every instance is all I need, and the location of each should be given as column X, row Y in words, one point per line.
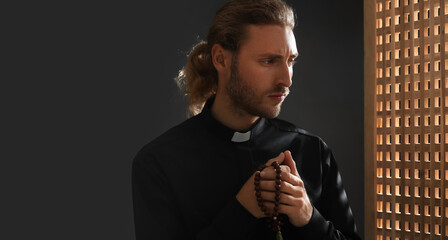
column 196, row 181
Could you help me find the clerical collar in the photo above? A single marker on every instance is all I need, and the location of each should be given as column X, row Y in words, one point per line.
column 226, row 132
column 241, row 137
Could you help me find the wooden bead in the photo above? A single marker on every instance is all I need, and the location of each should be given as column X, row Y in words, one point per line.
column 273, row 218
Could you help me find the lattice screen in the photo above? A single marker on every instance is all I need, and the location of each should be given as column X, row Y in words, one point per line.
column 411, row 120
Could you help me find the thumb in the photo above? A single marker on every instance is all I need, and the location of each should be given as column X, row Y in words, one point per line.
column 280, row 158
column 290, row 163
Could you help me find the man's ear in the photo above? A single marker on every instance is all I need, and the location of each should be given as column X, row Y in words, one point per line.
column 221, row 58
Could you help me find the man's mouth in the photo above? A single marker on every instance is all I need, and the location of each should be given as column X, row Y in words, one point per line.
column 278, row 96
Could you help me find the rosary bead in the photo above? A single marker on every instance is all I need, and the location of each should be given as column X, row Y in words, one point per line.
column 273, row 218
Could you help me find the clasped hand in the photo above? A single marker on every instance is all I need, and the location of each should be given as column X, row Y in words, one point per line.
column 294, row 201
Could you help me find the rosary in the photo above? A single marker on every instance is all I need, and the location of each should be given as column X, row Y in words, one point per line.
column 273, row 219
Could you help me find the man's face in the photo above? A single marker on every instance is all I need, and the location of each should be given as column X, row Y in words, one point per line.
column 262, row 71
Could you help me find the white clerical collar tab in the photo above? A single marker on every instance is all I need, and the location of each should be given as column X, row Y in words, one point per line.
column 241, row 137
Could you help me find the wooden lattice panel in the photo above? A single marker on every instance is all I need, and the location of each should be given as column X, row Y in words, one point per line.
column 411, row 119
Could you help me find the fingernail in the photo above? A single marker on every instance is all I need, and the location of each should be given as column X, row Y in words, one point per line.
column 262, row 174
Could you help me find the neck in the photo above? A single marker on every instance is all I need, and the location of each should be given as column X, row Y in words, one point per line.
column 230, row 115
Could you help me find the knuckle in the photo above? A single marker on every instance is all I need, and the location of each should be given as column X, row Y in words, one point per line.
column 285, row 168
column 300, row 202
column 287, row 198
column 285, row 186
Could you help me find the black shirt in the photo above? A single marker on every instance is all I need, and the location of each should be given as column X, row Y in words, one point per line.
column 186, row 180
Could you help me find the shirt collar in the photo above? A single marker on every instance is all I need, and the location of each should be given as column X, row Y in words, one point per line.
column 227, row 133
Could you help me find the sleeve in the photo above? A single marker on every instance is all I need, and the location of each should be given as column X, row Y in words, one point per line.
column 157, row 214
column 332, row 217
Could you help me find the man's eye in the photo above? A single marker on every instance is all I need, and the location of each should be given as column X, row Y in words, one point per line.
column 268, row 61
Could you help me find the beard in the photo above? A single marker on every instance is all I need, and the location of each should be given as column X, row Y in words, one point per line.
column 245, row 99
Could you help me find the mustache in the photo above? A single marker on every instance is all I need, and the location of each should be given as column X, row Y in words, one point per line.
column 279, row 91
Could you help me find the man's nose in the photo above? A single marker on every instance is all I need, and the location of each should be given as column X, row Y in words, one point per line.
column 285, row 75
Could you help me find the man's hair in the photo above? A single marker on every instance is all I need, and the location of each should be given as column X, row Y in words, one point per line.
column 199, row 78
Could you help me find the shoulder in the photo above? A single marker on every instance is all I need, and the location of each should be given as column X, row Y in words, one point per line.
column 307, row 146
column 306, row 140
column 285, row 126
column 173, row 139
column 179, row 132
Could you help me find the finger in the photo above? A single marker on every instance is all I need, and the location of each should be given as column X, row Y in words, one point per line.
column 292, row 179
column 285, row 187
column 289, row 161
column 270, row 185
column 287, row 209
column 282, row 208
column 270, row 172
column 270, row 197
column 280, row 158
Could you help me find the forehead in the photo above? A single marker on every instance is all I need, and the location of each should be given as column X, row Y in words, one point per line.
column 272, row 39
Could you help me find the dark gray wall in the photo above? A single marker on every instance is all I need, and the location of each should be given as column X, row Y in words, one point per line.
column 87, row 86
column 327, row 93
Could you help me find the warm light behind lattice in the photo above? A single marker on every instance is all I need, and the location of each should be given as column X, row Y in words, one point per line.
column 411, row 120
